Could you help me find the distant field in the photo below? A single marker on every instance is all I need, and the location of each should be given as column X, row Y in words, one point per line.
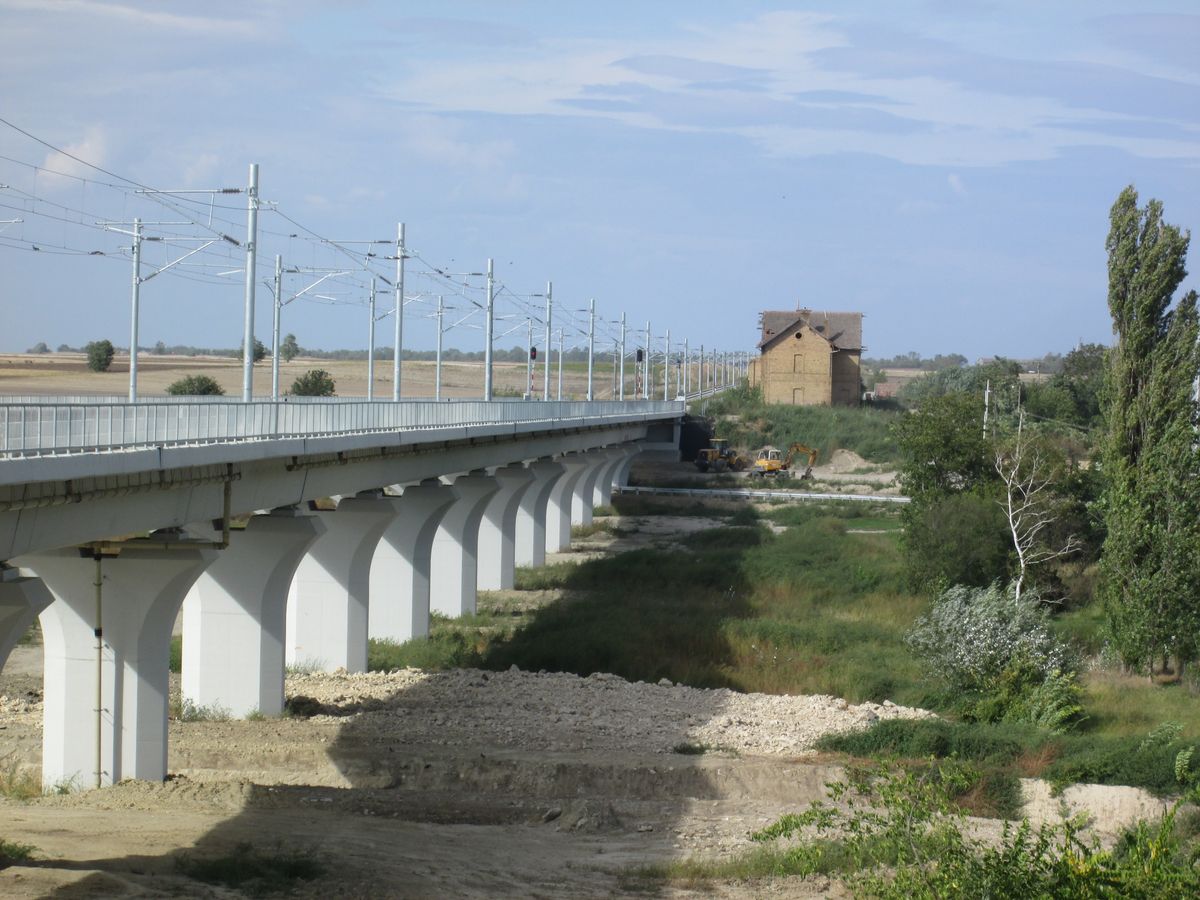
column 67, row 373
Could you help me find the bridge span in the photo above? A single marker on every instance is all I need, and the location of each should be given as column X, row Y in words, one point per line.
column 288, row 533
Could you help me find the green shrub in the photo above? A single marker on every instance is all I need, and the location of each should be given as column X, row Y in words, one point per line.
column 195, row 385
column 898, row 833
column 12, row 853
column 937, row 738
column 313, row 383
column 999, row 654
column 958, row 538
column 99, row 355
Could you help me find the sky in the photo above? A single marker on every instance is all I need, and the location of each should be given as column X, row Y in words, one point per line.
column 945, row 167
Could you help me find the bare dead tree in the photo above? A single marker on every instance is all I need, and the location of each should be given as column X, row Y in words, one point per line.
column 1029, row 504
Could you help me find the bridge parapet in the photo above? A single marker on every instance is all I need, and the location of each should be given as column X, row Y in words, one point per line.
column 81, row 425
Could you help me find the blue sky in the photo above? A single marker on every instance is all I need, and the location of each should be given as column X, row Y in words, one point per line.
column 944, row 167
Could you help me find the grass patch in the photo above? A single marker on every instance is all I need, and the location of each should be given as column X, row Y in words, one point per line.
column 1003, row 752
column 189, row 711
column 12, row 853
column 175, row 657
column 813, row 610
column 592, row 528
column 253, row 871
column 447, row 647
column 18, row 782
column 746, row 421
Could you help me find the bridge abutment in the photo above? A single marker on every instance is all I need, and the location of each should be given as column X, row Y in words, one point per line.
column 234, row 617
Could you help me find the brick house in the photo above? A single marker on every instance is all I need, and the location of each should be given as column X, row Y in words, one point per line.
column 809, row 358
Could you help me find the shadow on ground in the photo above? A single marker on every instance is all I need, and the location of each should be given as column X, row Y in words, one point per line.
column 468, row 783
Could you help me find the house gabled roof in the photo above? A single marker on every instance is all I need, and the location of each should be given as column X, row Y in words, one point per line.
column 842, row 329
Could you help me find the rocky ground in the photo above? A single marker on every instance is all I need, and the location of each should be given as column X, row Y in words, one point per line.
column 456, row 784
column 465, row 783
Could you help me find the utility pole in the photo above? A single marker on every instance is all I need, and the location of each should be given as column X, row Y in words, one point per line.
column 560, row 361
column 591, row 344
column 529, row 360
column 275, row 327
column 251, row 259
column 700, row 373
column 616, row 347
column 137, row 291
column 371, row 346
column 437, row 375
column 987, row 398
column 398, row 312
column 646, row 366
column 546, row 363
column 487, row 350
column 622, row 387
column 687, row 369
column 667, row 366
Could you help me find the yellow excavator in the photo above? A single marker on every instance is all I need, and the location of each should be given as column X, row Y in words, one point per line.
column 772, row 461
column 720, row 457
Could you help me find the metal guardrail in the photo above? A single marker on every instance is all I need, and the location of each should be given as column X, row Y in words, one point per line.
column 106, row 424
column 745, row 494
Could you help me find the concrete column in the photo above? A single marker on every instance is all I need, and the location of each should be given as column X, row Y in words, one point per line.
column 583, row 500
column 498, row 528
column 400, row 569
column 141, row 592
column 328, row 602
column 529, row 546
column 558, row 507
column 621, row 478
column 610, row 474
column 455, row 547
column 235, row 614
column 22, row 599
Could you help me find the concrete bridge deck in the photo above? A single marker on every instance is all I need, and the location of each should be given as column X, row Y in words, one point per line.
column 287, row 532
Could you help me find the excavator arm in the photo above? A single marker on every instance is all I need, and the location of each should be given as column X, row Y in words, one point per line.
column 798, row 448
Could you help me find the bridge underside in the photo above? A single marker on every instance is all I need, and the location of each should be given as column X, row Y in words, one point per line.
column 292, row 553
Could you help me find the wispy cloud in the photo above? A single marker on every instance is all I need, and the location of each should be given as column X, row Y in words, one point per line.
column 802, row 84
column 225, row 26
column 91, row 148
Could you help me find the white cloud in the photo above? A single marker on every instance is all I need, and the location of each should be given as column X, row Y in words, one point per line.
column 963, row 125
column 70, row 160
column 155, row 16
column 434, row 139
column 956, row 184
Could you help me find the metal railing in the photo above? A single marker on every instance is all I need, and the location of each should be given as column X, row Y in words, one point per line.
column 98, row 424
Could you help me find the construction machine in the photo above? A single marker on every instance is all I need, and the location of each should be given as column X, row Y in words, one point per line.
column 773, row 461
column 720, row 457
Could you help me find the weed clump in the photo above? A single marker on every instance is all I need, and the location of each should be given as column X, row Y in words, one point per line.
column 12, row 853
column 252, row 871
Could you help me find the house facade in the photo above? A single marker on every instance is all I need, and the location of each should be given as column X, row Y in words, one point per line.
column 809, row 358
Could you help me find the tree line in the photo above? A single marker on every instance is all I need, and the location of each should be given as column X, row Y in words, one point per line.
column 1086, row 483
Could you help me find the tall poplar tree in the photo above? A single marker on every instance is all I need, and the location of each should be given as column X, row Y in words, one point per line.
column 1150, row 567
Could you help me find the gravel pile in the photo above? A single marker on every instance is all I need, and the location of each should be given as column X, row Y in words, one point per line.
column 562, row 712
